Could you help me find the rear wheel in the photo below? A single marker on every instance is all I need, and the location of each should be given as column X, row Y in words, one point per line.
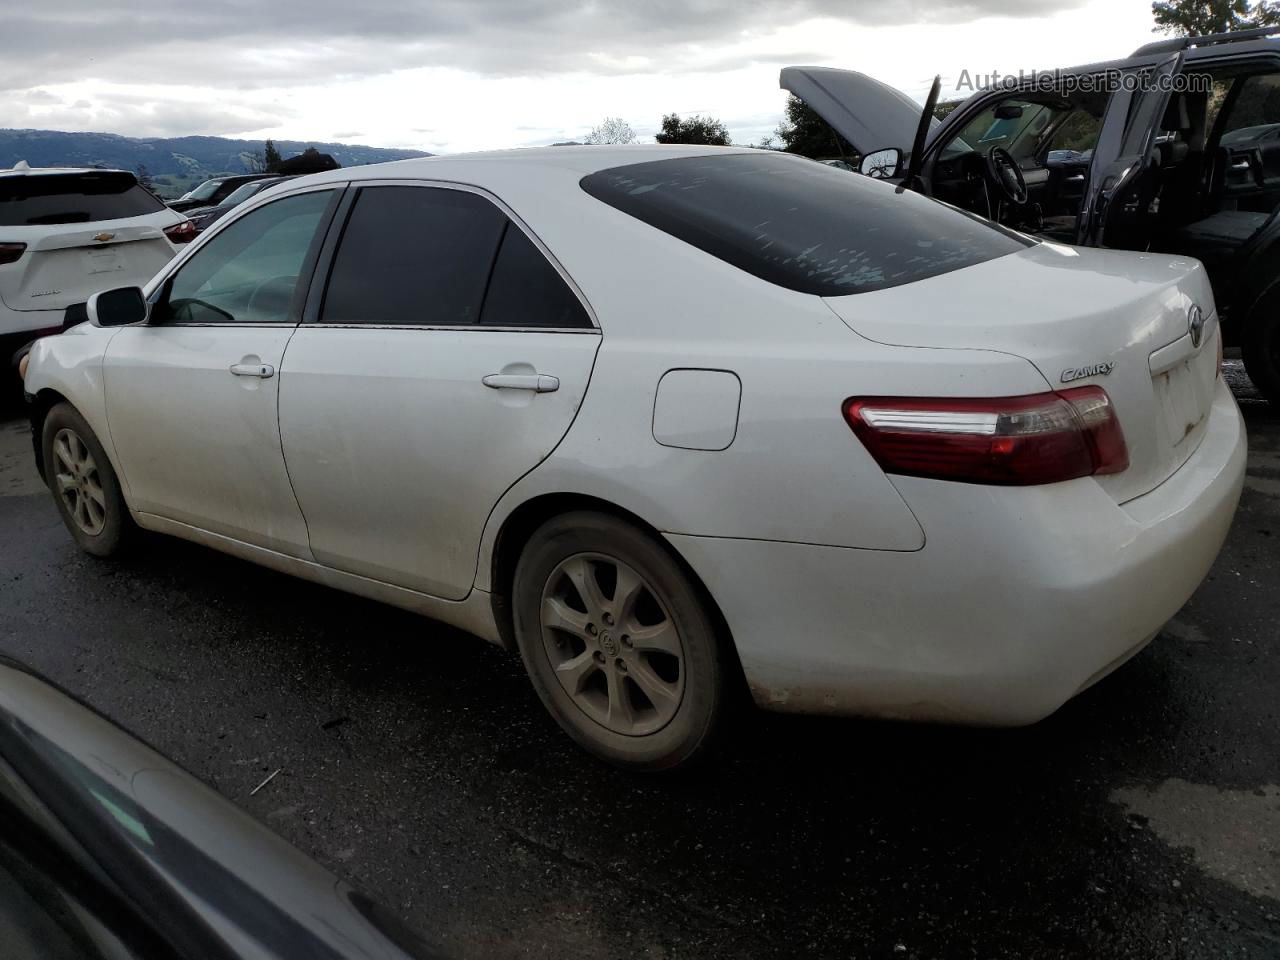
column 1260, row 345
column 618, row 642
column 84, row 485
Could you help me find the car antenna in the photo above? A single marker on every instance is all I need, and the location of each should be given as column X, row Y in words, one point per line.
column 922, row 131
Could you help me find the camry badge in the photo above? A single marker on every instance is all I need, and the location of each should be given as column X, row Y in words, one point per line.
column 1195, row 323
column 1095, row 370
column 104, row 237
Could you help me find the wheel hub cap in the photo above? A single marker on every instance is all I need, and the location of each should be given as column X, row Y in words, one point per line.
column 613, row 646
column 76, row 477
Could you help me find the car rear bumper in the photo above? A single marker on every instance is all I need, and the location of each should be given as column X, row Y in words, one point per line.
column 1020, row 598
column 29, row 323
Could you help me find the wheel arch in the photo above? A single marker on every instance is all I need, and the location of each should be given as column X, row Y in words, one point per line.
column 38, row 409
column 519, row 525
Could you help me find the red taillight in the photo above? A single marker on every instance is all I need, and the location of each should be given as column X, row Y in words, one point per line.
column 9, row 252
column 1010, row 441
column 183, row 232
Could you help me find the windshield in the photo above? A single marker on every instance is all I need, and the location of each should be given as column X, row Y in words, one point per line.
column 802, row 225
column 204, row 191
column 241, row 194
column 1016, row 131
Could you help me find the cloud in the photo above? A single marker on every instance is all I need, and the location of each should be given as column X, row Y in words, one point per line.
column 141, row 115
column 41, row 98
column 346, row 135
column 252, row 45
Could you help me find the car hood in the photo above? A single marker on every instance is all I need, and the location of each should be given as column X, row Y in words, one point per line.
column 869, row 114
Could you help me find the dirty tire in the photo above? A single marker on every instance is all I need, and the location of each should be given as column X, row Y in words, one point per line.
column 109, row 528
column 629, row 700
column 1260, row 345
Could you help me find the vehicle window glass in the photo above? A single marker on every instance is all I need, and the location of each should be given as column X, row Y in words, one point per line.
column 413, row 255
column 249, row 271
column 799, row 224
column 242, row 193
column 204, row 191
column 37, row 199
column 1077, row 135
column 1255, row 112
column 526, row 290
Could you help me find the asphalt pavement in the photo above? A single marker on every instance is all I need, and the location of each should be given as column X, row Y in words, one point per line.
column 1141, row 820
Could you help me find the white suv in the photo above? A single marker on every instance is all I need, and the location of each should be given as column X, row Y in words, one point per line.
column 65, row 234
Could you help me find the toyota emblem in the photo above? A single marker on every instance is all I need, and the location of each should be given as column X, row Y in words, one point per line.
column 1195, row 322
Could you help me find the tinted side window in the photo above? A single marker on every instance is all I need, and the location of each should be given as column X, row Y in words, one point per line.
column 37, row 199
column 1256, row 111
column 248, row 272
column 413, row 255
column 527, row 291
column 800, row 224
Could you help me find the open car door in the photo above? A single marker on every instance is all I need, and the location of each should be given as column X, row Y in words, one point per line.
column 1124, row 151
column 869, row 114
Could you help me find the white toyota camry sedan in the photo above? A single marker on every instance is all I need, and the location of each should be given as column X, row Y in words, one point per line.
column 673, row 423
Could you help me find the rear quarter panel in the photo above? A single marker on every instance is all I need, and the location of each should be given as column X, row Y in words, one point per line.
column 794, row 471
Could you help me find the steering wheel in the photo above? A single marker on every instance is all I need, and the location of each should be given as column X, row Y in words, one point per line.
column 271, row 297
column 1004, row 172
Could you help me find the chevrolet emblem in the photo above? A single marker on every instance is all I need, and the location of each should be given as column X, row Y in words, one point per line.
column 104, row 237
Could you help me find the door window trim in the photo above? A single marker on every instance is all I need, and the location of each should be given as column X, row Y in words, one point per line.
column 160, row 283
column 342, row 214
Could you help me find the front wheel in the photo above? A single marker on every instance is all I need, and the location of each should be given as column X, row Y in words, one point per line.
column 618, row 642
column 1260, row 345
column 83, row 483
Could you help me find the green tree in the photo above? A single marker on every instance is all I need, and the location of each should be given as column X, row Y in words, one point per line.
column 944, row 107
column 271, row 158
column 804, row 132
column 697, row 129
column 1198, row 18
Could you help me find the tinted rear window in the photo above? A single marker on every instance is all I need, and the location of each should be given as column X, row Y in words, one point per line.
column 39, row 199
column 802, row 225
column 413, row 255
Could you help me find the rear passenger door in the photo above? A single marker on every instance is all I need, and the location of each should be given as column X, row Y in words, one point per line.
column 443, row 357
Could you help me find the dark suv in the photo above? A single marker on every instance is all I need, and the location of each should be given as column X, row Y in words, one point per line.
column 1175, row 149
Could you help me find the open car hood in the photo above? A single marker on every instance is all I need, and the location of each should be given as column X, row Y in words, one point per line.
column 869, row 114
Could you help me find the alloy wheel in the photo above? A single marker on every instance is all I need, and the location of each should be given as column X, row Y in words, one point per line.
column 615, row 650
column 76, row 475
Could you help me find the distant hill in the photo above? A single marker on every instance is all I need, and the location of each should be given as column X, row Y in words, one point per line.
column 175, row 163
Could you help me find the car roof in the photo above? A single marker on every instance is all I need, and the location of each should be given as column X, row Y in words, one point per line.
column 20, row 169
column 580, row 160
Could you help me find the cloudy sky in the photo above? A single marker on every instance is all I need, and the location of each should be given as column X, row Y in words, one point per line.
column 451, row 75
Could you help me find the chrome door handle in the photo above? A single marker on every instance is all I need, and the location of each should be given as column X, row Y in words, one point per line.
column 263, row 371
column 1240, row 165
column 537, row 382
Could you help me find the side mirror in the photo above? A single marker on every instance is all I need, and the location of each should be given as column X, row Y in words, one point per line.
column 882, row 164
column 117, row 308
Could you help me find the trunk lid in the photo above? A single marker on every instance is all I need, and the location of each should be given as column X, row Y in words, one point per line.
column 1118, row 320
column 869, row 114
column 67, row 264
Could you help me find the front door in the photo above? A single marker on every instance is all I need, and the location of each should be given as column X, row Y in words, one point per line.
column 1124, row 153
column 191, row 396
column 447, row 360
